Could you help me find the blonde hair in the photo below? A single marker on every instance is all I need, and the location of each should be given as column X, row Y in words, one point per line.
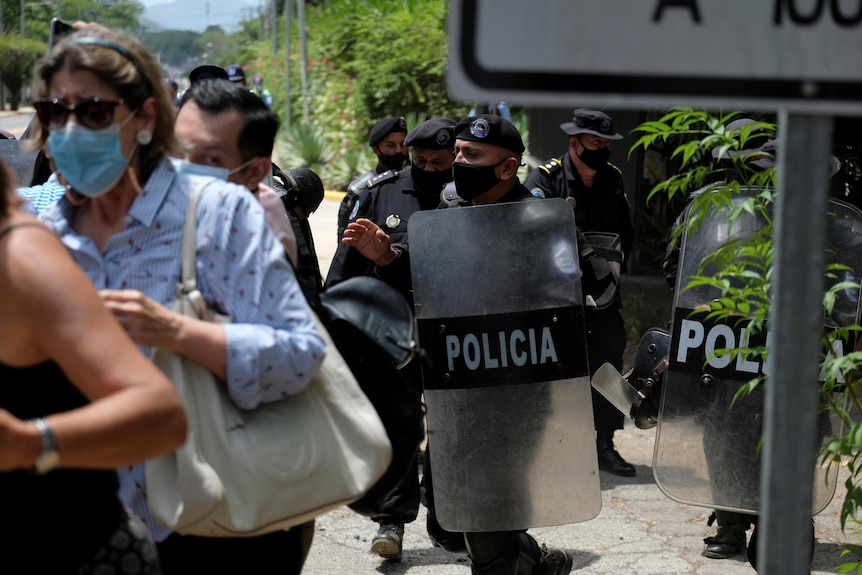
column 123, row 62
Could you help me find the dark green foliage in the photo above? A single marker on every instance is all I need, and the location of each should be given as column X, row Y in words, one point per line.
column 394, row 52
column 123, row 14
column 17, row 56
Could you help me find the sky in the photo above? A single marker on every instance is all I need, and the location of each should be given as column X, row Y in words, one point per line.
column 192, row 14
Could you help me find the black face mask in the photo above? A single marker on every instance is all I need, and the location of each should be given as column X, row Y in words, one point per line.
column 473, row 181
column 595, row 159
column 430, row 183
column 393, row 162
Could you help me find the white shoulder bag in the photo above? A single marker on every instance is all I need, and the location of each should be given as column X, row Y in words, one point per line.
column 246, row 473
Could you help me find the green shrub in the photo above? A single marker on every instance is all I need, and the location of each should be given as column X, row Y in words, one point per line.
column 304, row 145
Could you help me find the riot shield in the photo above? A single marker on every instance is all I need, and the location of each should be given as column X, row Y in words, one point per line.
column 19, row 161
column 707, row 445
column 500, row 313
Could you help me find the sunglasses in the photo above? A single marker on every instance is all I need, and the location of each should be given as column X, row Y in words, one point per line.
column 95, row 114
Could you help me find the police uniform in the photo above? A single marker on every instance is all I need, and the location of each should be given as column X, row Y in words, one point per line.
column 602, row 207
column 730, row 538
column 499, row 552
column 358, row 186
column 389, row 200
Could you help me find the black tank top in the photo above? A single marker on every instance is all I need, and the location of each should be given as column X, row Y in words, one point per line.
column 55, row 522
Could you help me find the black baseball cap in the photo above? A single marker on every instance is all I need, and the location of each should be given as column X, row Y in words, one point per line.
column 385, row 127
column 434, row 134
column 490, row 129
column 595, row 122
column 235, row 73
column 207, row 72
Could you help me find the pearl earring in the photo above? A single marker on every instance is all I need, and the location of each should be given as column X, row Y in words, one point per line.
column 145, row 137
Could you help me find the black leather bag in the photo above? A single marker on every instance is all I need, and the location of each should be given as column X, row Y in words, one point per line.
column 371, row 324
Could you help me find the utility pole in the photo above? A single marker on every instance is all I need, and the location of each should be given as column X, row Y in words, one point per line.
column 288, row 5
column 274, row 27
column 303, row 39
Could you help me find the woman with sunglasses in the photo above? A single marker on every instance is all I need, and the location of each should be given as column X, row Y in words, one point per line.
column 107, row 121
column 72, row 409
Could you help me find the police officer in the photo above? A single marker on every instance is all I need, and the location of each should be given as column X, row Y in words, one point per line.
column 262, row 92
column 236, row 74
column 391, row 197
column 488, row 154
column 386, row 139
column 390, row 200
column 754, row 151
column 594, row 187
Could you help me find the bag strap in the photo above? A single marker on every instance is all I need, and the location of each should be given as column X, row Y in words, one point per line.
column 590, row 250
column 187, row 286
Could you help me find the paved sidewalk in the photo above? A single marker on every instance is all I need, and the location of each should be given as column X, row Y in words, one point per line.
column 639, row 532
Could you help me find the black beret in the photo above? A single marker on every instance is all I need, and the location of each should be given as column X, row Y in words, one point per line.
column 385, row 127
column 586, row 121
column 490, row 129
column 435, row 134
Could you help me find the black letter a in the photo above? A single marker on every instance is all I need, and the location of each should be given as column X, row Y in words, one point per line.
column 690, row 4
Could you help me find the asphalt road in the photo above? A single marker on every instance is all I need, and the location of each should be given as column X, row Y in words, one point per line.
column 16, row 122
column 324, row 227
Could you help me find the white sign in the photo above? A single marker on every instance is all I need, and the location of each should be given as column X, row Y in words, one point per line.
column 800, row 55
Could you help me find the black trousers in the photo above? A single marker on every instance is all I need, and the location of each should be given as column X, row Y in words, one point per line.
column 491, row 553
column 402, row 506
column 606, row 343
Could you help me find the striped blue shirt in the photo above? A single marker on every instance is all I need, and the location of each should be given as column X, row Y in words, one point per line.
column 41, row 196
column 273, row 348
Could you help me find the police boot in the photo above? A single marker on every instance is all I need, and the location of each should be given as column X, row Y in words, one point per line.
column 609, row 459
column 494, row 553
column 730, row 538
column 513, row 553
column 752, row 545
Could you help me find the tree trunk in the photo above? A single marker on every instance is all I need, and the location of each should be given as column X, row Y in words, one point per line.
column 14, row 99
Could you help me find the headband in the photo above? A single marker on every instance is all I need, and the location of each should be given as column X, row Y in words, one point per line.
column 93, row 41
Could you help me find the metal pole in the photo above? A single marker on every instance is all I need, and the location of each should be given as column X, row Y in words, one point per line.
column 22, row 18
column 790, row 408
column 287, row 37
column 303, row 39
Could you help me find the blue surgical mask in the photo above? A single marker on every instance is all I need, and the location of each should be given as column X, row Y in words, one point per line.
column 188, row 168
column 191, row 169
column 91, row 161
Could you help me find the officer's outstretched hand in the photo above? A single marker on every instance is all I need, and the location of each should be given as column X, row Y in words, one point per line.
column 371, row 241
